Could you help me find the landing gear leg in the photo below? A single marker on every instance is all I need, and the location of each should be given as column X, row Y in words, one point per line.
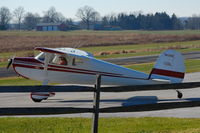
column 179, row 94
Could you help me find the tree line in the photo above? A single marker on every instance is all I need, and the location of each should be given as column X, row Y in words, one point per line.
column 157, row 21
column 91, row 19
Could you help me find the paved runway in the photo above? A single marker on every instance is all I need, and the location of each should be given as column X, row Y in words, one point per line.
column 113, row 100
column 146, row 59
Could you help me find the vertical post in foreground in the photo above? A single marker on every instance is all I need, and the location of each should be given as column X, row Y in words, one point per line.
column 96, row 100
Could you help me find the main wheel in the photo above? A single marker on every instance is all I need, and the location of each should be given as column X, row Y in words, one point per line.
column 39, row 96
column 36, row 100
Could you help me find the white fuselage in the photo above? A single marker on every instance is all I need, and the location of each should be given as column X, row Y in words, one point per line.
column 81, row 73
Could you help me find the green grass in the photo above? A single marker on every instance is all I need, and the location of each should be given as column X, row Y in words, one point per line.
column 18, row 81
column 106, row 125
column 191, row 66
column 3, row 64
column 144, row 67
column 5, row 56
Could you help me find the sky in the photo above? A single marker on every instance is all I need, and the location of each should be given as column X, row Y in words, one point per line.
column 182, row 8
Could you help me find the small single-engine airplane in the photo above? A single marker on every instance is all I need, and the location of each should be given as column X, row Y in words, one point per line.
column 73, row 66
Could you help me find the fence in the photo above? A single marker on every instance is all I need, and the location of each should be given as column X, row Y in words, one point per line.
column 96, row 89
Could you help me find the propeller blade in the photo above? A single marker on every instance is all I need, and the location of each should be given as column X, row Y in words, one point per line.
column 9, row 63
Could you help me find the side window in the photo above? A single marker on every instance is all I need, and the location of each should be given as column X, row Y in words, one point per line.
column 59, row 60
column 62, row 61
column 77, row 61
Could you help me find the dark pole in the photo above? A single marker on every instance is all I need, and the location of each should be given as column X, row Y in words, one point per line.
column 96, row 100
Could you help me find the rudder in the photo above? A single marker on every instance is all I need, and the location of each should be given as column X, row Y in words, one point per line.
column 169, row 66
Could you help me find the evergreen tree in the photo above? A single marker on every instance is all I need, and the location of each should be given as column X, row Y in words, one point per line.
column 176, row 23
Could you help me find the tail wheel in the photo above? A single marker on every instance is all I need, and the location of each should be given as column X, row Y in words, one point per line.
column 179, row 94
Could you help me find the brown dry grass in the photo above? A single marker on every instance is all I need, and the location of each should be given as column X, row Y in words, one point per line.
column 10, row 43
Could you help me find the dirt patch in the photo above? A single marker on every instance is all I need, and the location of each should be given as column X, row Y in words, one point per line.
column 10, row 43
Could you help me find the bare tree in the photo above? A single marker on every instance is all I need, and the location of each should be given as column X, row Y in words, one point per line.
column 5, row 17
column 19, row 14
column 60, row 18
column 52, row 16
column 87, row 15
column 31, row 20
column 96, row 17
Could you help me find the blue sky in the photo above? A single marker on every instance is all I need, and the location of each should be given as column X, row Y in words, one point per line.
column 68, row 8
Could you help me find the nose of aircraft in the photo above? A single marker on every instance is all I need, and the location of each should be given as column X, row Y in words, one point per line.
column 10, row 61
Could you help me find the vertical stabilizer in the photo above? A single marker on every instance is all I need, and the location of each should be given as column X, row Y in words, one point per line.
column 169, row 66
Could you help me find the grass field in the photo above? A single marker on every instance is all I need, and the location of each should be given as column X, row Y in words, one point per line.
column 106, row 125
column 103, row 44
column 27, row 40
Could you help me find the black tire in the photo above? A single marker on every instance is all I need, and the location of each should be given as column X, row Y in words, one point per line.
column 180, row 95
column 36, row 100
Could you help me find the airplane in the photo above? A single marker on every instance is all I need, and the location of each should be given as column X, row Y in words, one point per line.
column 74, row 66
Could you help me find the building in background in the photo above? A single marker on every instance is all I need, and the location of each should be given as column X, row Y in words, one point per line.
column 51, row 27
column 56, row 27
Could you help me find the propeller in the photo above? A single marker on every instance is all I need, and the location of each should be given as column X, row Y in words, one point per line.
column 10, row 61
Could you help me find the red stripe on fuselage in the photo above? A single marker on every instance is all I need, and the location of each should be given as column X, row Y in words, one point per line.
column 75, row 71
column 62, row 70
column 167, row 73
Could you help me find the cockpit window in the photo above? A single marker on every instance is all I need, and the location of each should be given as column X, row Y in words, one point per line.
column 60, row 59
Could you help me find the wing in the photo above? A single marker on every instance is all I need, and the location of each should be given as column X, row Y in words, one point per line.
column 69, row 51
column 49, row 50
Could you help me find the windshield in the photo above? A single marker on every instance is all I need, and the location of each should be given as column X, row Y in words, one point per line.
column 40, row 56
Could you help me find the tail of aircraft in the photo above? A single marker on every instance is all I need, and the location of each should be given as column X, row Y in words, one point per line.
column 169, row 66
